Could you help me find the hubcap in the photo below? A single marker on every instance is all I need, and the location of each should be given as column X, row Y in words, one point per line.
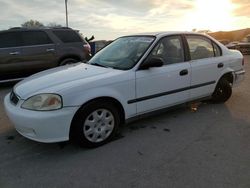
column 99, row 125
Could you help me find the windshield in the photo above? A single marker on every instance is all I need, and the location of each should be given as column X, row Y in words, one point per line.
column 123, row 53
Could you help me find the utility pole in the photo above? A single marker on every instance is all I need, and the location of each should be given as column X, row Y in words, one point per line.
column 66, row 7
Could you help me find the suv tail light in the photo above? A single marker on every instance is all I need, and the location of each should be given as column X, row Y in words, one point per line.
column 87, row 48
column 87, row 51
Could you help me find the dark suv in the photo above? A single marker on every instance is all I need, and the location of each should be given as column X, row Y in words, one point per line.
column 26, row 51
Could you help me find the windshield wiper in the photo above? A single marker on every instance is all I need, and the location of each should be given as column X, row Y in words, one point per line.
column 97, row 64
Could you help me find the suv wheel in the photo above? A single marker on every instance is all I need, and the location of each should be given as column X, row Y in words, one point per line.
column 68, row 61
column 95, row 124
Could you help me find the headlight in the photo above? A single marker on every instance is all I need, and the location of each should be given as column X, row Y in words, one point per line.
column 43, row 102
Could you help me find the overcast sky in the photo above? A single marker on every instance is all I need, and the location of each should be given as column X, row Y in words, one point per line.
column 108, row 19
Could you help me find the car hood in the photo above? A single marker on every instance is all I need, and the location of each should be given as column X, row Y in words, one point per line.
column 53, row 78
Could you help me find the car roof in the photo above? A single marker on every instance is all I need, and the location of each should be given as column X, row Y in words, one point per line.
column 165, row 33
column 36, row 29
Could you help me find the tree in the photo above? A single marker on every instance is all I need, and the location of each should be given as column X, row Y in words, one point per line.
column 32, row 24
column 53, row 24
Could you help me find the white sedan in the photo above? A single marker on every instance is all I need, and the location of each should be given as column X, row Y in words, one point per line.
column 132, row 76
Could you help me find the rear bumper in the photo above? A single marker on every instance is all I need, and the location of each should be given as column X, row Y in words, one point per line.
column 239, row 77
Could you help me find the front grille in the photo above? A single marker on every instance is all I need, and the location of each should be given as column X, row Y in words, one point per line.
column 13, row 98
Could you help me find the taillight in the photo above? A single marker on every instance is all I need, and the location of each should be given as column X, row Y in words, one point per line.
column 87, row 48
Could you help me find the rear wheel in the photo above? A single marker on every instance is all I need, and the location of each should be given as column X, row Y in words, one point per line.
column 95, row 124
column 223, row 91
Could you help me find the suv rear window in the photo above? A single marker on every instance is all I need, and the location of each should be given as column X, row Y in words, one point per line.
column 68, row 36
column 10, row 39
column 35, row 38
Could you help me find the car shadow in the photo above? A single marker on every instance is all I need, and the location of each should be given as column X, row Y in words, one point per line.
column 170, row 122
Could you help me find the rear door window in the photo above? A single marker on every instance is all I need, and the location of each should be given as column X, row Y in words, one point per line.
column 68, row 36
column 200, row 47
column 10, row 39
column 31, row 38
column 217, row 50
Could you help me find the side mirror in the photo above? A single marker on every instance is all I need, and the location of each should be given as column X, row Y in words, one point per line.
column 151, row 62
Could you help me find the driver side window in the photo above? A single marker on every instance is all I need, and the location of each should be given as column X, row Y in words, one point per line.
column 170, row 50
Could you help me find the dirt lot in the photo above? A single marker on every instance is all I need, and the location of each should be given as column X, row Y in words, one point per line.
column 209, row 148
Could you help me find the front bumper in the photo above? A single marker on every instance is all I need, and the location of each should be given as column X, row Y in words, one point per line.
column 47, row 127
column 238, row 77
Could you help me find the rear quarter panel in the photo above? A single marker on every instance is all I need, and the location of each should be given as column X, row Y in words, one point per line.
column 232, row 60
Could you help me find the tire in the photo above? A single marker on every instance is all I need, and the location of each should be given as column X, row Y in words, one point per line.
column 68, row 61
column 223, row 91
column 95, row 124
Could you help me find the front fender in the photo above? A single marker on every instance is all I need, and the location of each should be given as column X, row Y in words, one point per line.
column 122, row 95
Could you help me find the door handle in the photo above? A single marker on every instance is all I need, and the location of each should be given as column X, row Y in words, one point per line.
column 220, row 65
column 184, row 72
column 50, row 50
column 14, row 53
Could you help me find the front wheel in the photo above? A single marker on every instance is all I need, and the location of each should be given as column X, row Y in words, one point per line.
column 95, row 124
column 223, row 91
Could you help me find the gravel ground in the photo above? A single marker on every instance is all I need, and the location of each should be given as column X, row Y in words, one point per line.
column 209, row 148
